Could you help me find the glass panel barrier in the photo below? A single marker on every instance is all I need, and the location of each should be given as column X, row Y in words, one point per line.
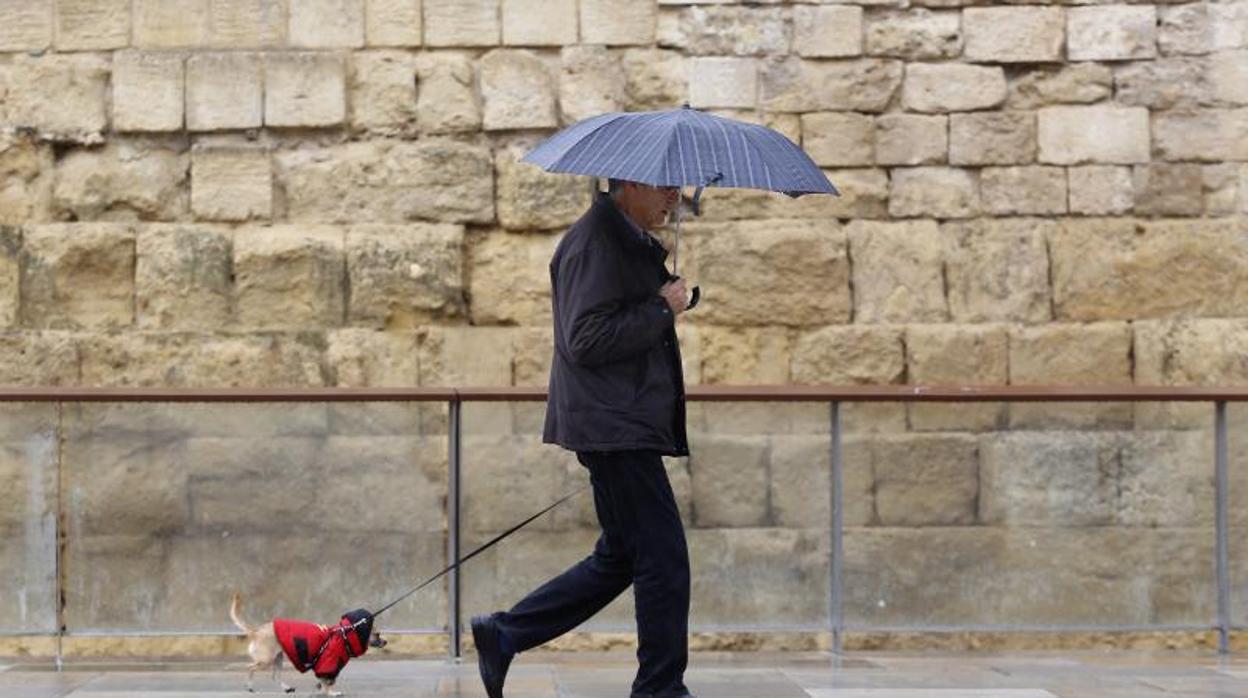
column 28, row 496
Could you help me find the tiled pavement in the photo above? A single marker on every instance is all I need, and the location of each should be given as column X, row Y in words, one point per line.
column 711, row 675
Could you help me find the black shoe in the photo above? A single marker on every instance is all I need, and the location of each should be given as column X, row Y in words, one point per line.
column 490, row 658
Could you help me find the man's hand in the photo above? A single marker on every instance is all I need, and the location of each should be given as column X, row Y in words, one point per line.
column 676, row 295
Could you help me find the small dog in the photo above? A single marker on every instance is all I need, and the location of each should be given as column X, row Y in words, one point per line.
column 323, row 649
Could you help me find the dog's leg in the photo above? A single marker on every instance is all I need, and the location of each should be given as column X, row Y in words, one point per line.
column 277, row 666
column 325, row 686
column 251, row 672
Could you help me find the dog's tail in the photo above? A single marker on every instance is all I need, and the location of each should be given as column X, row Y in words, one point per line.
column 236, row 607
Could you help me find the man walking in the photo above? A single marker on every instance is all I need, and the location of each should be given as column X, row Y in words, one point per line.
column 617, row 399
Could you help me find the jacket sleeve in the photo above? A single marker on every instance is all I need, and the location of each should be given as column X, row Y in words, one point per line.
column 600, row 326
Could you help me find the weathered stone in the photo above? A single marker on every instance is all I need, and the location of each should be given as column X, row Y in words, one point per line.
column 304, row 90
column 723, row 82
column 1000, row 138
column 1111, row 32
column 289, row 277
column 28, row 473
column 27, row 25
column 39, row 359
column 925, row 480
column 502, row 474
column 998, row 270
column 148, row 91
column 726, row 30
column 1124, row 269
column 1229, row 73
column 1190, row 351
column 952, row 87
column 850, row 355
column 1169, row 189
column 1049, row 479
column 78, row 276
column 383, row 92
column 1077, row 83
column 935, row 192
column 511, row 279
column 839, row 138
column 1210, row 135
column 125, row 486
column 441, row 364
column 616, row 24
column 779, row 272
column 828, row 31
column 1164, row 83
column 517, row 90
column 1226, row 189
column 1031, row 34
column 1099, row 134
column 800, row 474
column 388, row 181
column 124, row 180
column 1071, row 354
column 864, row 194
column 447, row 101
column 358, row 357
column 1166, row 480
column 182, row 277
column 234, row 24
column 461, row 23
column 10, row 275
column 231, row 184
column 79, row 112
column 911, row 139
column 26, row 175
column 1030, row 190
column 952, row 355
column 795, row 85
column 532, row 199
column 729, row 477
column 1100, row 190
column 914, row 34
column 404, row 276
column 392, row 23
column 898, row 269
column 327, row 23
column 787, row 561
column 224, row 91
column 591, row 82
column 655, row 79
column 160, row 24
column 539, row 22
column 90, row 25
column 744, row 355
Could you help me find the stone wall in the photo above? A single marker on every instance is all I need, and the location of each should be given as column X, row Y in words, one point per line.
column 328, row 193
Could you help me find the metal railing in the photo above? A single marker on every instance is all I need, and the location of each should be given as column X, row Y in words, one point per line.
column 834, row 396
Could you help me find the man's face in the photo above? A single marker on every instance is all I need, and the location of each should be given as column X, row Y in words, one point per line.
column 650, row 206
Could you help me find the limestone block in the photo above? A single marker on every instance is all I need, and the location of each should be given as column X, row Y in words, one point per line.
column 39, row 358
column 1229, row 73
column 447, row 100
column 289, row 277
column 10, row 275
column 1049, row 478
column 1100, row 190
column 1096, row 134
column 462, row 22
column 744, row 355
column 779, row 272
column 78, row 276
column 27, row 25
column 729, row 477
column 80, row 82
column 359, row 357
column 125, row 485
column 388, row 181
column 911, row 139
column 502, row 476
column 864, row 194
column 1169, row 189
column 1209, row 135
column 235, row 24
column 1071, row 354
column 26, row 173
column 998, row 270
column 914, row 34
column 539, row 22
column 1123, row 269
column 517, row 91
column 442, row 363
column 952, row 87
column 1226, row 189
column 231, row 184
column 618, row 23
column 91, row 25
column 850, row 355
column 656, row 79
column 182, row 277
column 1111, row 32
column 1029, row 34
column 757, row 575
column 925, row 480
column 28, row 472
column 383, row 91
column 995, row 138
column 726, row 30
column 1187, row 351
column 591, row 82
column 392, row 23
column 936, row 192
column 827, row 31
column 840, row 139
column 950, row 355
column 1030, row 190
column 223, row 91
column 1076, row 83
column 304, row 90
column 148, row 91
column 897, row 272
column 723, row 82
column 795, row 85
column 1228, row 25
column 200, row 360
column 124, row 180
column 530, row 198
column 511, row 279
column 162, row 24
column 1167, row 479
column 1165, row 83
column 327, row 23
column 800, row 473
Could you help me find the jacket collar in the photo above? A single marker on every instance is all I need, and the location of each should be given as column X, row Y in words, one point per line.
column 624, row 229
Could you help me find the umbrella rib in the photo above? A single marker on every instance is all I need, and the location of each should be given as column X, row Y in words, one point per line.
column 641, row 162
column 588, row 151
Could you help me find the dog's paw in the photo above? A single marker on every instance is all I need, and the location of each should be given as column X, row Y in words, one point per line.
column 289, row 689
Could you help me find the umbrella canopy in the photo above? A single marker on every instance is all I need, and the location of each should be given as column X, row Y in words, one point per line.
column 681, row 147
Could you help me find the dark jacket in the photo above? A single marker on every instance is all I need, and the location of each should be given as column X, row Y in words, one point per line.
column 615, row 381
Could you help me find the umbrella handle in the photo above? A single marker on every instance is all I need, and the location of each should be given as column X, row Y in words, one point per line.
column 694, row 296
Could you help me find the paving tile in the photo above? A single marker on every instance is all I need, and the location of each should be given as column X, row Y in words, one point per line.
column 932, row 693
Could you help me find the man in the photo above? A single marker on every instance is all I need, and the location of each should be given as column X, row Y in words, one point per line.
column 617, row 399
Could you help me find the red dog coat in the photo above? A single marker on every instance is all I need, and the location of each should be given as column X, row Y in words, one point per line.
column 324, row 650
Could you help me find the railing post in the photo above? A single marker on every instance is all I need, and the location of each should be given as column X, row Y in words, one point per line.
column 454, row 641
column 1220, row 528
column 61, row 536
column 836, row 581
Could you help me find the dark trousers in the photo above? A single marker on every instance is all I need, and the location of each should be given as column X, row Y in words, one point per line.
column 642, row 544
